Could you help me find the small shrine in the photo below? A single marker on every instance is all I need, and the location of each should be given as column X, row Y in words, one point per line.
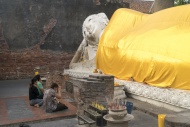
column 117, row 115
column 100, row 101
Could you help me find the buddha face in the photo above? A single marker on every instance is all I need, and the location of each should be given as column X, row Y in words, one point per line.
column 93, row 27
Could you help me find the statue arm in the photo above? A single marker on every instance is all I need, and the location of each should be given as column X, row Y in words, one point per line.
column 78, row 53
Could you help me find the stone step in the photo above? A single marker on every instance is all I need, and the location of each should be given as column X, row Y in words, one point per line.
column 86, row 119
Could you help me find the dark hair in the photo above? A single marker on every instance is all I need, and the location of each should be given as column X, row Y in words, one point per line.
column 38, row 77
column 33, row 81
column 54, row 85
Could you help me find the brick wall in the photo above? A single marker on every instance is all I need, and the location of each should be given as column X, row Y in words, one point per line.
column 95, row 88
column 16, row 63
column 21, row 64
column 56, row 77
column 139, row 5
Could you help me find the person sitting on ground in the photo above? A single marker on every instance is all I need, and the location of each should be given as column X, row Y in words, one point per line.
column 34, row 94
column 51, row 96
column 40, row 86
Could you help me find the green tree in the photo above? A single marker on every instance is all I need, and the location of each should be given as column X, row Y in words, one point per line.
column 181, row 2
column 163, row 4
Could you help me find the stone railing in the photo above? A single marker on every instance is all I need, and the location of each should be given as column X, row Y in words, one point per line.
column 172, row 99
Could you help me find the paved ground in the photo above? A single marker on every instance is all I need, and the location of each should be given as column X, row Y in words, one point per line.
column 140, row 120
column 14, row 88
column 15, row 108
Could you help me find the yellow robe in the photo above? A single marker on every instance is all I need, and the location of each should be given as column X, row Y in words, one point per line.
column 150, row 48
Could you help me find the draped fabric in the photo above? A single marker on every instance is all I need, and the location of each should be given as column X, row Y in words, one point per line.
column 150, row 48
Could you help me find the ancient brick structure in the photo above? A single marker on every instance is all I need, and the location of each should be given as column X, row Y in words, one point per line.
column 95, row 88
column 56, row 77
column 22, row 64
column 45, row 34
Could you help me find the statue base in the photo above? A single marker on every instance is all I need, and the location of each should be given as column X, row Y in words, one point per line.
column 172, row 99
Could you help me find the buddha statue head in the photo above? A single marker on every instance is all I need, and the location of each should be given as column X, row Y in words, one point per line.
column 93, row 28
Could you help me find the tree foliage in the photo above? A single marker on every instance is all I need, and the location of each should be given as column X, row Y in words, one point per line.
column 181, row 2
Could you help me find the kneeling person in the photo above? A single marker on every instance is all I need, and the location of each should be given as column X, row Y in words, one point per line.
column 51, row 104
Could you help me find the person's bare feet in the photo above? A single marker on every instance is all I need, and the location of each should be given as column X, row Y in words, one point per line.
column 36, row 105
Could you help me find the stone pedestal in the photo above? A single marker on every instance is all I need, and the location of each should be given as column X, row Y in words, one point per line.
column 172, row 99
column 94, row 88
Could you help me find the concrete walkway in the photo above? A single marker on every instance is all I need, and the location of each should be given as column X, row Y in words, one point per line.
column 140, row 120
column 14, row 88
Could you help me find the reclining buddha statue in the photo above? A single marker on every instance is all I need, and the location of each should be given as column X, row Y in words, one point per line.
column 151, row 49
column 93, row 27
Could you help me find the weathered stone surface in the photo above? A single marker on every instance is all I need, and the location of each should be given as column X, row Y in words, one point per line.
column 23, row 24
column 56, row 77
column 88, row 91
column 23, row 63
column 23, row 21
column 180, row 119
